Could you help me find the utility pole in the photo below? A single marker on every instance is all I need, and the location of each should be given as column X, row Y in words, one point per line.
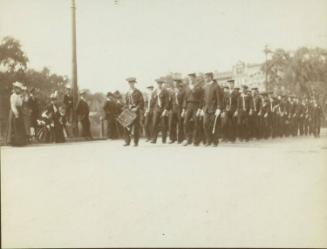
column 74, row 71
column 266, row 51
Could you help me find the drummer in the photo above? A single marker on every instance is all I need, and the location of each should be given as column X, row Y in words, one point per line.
column 135, row 103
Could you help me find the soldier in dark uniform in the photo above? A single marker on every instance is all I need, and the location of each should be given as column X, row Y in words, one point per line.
column 273, row 117
column 148, row 114
column 306, row 119
column 134, row 102
column 255, row 106
column 243, row 108
column 224, row 114
column 212, row 107
column 160, row 98
column 176, row 129
column 316, row 116
column 109, row 109
column 263, row 116
column 192, row 105
column 82, row 111
column 297, row 116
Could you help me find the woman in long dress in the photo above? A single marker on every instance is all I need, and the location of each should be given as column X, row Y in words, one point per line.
column 16, row 128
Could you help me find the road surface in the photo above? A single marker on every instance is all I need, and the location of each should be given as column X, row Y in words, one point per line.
column 100, row 194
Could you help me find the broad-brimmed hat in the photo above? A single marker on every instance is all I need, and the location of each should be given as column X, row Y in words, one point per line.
column 18, row 85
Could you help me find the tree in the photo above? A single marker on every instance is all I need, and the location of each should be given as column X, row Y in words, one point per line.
column 12, row 58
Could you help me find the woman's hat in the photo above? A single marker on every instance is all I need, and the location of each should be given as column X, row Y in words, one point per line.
column 18, row 85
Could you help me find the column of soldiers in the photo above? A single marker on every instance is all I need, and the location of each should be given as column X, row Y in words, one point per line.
column 193, row 113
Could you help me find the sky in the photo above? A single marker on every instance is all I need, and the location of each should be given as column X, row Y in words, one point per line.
column 117, row 39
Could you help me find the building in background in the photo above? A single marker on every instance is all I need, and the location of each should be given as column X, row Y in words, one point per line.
column 249, row 74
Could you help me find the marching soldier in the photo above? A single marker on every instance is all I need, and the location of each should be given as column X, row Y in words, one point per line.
column 148, row 114
column 264, row 116
column 243, row 108
column 224, row 114
column 135, row 103
column 316, row 115
column 160, row 98
column 255, row 106
column 176, row 129
column 273, row 119
column 192, row 110
column 82, row 112
column 212, row 106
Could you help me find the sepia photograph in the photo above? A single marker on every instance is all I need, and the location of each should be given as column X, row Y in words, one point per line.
column 163, row 123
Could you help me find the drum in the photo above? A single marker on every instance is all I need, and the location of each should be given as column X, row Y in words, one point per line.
column 126, row 118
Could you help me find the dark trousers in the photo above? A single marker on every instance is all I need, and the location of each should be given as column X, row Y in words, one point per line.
column 176, row 129
column 133, row 130
column 243, row 125
column 111, row 127
column 159, row 124
column 86, row 126
column 192, row 126
column 148, row 125
column 210, row 132
column 254, row 129
column 316, row 127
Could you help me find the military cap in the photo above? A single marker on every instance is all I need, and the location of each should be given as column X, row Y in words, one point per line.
column 150, row 87
column 192, row 74
column 160, row 81
column 131, row 79
column 254, row 88
column 209, row 74
column 117, row 92
column 226, row 87
column 231, row 81
column 264, row 94
column 110, row 94
column 178, row 79
column 244, row 86
column 237, row 88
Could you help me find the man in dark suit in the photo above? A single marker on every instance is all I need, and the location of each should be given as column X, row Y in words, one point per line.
column 212, row 106
column 134, row 102
column 82, row 112
column 160, row 100
column 109, row 109
column 192, row 106
column 176, row 129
